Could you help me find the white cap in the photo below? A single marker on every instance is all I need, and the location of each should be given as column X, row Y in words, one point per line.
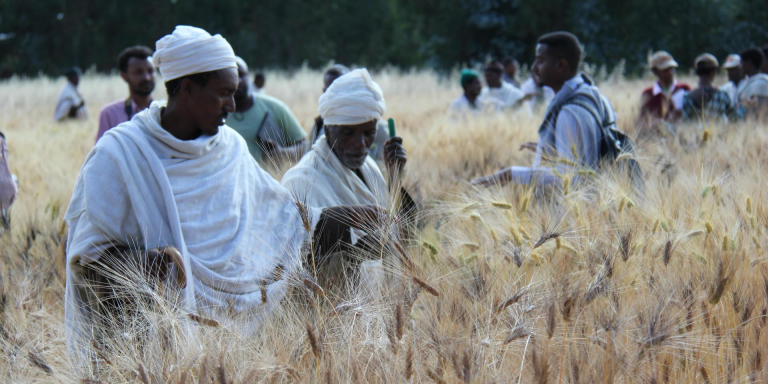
column 732, row 61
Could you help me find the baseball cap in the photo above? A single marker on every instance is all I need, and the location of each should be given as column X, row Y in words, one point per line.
column 706, row 61
column 732, row 61
column 663, row 60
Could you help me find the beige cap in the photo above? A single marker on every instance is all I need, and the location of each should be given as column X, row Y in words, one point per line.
column 706, row 61
column 663, row 60
column 732, row 61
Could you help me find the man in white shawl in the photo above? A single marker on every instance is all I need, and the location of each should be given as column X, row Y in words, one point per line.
column 179, row 183
column 338, row 170
column 70, row 104
column 499, row 94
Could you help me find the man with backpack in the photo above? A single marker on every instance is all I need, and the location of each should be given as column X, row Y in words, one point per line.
column 578, row 132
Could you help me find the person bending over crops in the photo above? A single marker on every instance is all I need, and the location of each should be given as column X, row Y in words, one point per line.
column 318, row 128
column 570, row 135
column 217, row 229
column 338, row 170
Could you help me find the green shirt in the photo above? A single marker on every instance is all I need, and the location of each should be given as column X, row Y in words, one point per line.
column 247, row 123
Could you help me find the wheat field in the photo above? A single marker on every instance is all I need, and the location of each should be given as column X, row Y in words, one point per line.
column 587, row 284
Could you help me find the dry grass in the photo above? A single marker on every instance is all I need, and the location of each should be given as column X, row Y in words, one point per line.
column 505, row 286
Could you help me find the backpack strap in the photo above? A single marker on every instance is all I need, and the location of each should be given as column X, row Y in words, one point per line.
column 610, row 136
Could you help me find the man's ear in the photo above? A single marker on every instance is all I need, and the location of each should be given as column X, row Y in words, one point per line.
column 186, row 86
column 562, row 65
column 124, row 76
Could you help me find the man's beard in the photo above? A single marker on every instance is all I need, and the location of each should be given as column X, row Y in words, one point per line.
column 144, row 89
column 352, row 161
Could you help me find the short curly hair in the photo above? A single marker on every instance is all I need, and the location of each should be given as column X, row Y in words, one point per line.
column 138, row 51
column 564, row 45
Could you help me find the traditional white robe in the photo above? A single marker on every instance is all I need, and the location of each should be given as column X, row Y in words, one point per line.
column 505, row 97
column 233, row 223
column 324, row 181
column 68, row 98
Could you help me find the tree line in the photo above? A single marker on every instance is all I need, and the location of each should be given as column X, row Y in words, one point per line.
column 46, row 36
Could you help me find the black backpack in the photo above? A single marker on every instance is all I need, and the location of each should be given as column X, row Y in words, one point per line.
column 614, row 143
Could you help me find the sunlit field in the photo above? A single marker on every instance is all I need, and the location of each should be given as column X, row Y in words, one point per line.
column 585, row 284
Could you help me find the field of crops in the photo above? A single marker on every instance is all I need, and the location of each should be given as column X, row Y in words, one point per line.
column 587, row 284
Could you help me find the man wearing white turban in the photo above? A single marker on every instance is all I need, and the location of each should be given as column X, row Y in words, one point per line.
column 182, row 185
column 338, row 170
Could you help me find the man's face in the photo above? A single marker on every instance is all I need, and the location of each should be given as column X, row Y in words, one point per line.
column 735, row 74
column 210, row 105
column 493, row 77
column 666, row 76
column 259, row 81
column 473, row 87
column 242, row 86
column 328, row 79
column 547, row 69
column 351, row 143
column 510, row 69
column 140, row 76
column 74, row 79
column 748, row 68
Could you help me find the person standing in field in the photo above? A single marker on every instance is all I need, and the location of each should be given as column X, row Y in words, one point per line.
column 538, row 95
column 70, row 104
column 498, row 94
column 753, row 90
column 664, row 100
column 8, row 185
column 510, row 72
column 469, row 102
column 138, row 71
column 259, row 81
column 571, row 134
column 220, row 233
column 765, row 62
column 707, row 103
column 254, row 112
column 735, row 75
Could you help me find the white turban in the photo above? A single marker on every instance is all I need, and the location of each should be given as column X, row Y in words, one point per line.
column 190, row 50
column 352, row 99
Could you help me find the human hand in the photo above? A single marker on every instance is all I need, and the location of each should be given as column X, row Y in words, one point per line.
column 270, row 147
column 394, row 155
column 161, row 260
column 531, row 146
column 357, row 216
column 499, row 178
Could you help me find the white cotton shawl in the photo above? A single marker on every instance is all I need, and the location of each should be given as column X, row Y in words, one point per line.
column 232, row 222
column 189, row 50
column 68, row 98
column 324, row 181
column 352, row 99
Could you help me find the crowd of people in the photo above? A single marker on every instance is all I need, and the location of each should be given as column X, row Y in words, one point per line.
column 184, row 177
column 669, row 101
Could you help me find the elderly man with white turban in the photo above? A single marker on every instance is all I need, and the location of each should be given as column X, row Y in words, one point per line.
column 177, row 182
column 338, row 170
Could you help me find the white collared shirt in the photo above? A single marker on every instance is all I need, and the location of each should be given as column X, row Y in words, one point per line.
column 677, row 96
column 506, row 96
column 753, row 87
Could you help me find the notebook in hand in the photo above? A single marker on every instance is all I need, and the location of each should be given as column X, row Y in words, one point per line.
column 270, row 129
